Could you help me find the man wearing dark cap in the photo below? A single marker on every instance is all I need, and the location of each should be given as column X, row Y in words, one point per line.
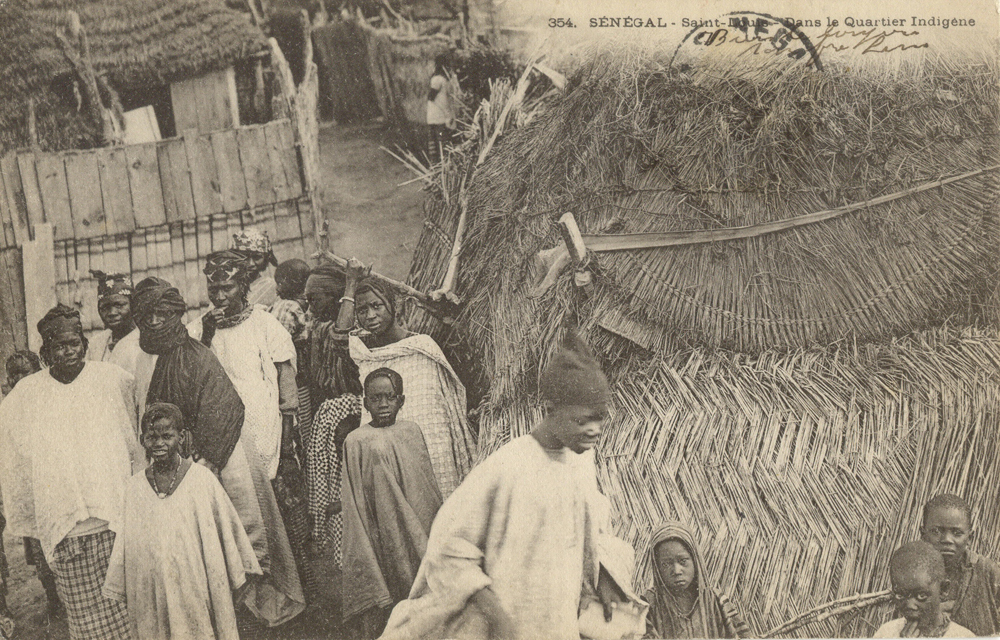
column 512, row 550
column 114, row 305
column 67, row 448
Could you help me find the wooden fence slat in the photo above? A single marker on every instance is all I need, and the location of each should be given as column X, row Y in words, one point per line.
column 234, row 224
column 207, row 196
column 144, row 178
column 123, row 257
column 227, row 160
column 112, row 164
column 256, row 166
column 307, row 223
column 220, row 233
column 137, row 251
column 61, row 279
column 55, row 194
column 290, row 158
column 210, row 116
column 175, row 178
column 272, row 140
column 15, row 199
column 13, row 321
column 189, row 260
column 204, row 248
column 286, row 222
column 177, row 259
column 73, row 268
column 184, row 100
column 7, row 238
column 164, row 259
column 40, row 258
column 87, row 286
column 86, row 202
column 32, row 194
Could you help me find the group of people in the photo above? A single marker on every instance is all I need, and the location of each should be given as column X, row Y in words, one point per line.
column 185, row 481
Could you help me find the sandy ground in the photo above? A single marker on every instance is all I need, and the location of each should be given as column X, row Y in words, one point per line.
column 372, row 218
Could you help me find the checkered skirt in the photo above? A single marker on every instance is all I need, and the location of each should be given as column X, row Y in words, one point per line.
column 80, row 565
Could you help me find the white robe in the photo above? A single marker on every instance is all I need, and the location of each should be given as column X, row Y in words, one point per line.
column 67, row 450
column 526, row 523
column 248, row 352
column 178, row 559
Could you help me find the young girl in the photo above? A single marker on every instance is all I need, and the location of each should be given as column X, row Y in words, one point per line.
column 182, row 550
column 681, row 605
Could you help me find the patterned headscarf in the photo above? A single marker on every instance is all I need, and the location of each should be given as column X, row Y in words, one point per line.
column 252, row 241
column 109, row 284
column 152, row 294
column 229, row 266
column 386, row 293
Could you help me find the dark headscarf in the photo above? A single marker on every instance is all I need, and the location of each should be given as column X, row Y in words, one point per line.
column 326, row 279
column 58, row 319
column 574, row 376
column 230, row 266
column 110, row 284
column 156, row 294
column 386, row 293
column 719, row 617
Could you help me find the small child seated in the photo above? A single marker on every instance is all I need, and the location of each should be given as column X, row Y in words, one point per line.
column 681, row 605
column 290, row 280
column 181, row 550
column 918, row 580
column 390, row 498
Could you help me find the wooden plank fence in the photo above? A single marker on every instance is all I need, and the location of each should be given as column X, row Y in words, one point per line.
column 152, row 209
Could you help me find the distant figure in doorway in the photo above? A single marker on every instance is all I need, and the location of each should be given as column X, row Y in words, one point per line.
column 114, row 305
column 390, row 499
column 918, row 582
column 681, row 604
column 440, row 112
column 973, row 599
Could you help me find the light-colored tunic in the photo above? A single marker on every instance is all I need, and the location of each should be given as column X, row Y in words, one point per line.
column 66, row 452
column 98, row 345
column 894, row 629
column 435, row 400
column 248, row 352
column 178, row 559
column 525, row 522
column 129, row 356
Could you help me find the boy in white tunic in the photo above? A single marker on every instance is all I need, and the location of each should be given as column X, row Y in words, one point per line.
column 515, row 546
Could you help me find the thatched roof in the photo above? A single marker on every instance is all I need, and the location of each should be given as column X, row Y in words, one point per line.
column 786, row 394
column 137, row 42
column 134, row 43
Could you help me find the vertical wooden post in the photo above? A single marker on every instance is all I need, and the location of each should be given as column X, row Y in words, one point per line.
column 39, row 280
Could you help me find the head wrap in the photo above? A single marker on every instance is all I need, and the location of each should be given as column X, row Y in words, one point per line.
column 574, row 377
column 156, row 294
column 59, row 318
column 326, row 279
column 719, row 616
column 252, row 241
column 229, row 266
column 386, row 293
column 109, row 284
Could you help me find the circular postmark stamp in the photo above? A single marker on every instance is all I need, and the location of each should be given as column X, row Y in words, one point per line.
column 750, row 34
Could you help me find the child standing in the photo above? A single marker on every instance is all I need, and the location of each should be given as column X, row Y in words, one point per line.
column 973, row 599
column 440, row 114
column 390, row 499
column 681, row 604
column 182, row 550
column 918, row 580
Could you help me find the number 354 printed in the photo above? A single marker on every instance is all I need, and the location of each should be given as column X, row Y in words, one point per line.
column 561, row 22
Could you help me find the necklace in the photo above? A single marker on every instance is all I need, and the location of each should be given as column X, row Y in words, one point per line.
column 173, row 479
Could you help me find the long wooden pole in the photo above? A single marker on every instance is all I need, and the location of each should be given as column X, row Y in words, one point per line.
column 438, row 308
column 627, row 241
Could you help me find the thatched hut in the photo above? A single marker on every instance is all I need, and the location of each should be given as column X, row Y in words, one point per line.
column 792, row 395
column 140, row 47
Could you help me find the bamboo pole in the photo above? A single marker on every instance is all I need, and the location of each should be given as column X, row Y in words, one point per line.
column 826, row 610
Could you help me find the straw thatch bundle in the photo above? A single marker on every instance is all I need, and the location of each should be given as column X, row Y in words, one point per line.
column 770, row 391
column 133, row 43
